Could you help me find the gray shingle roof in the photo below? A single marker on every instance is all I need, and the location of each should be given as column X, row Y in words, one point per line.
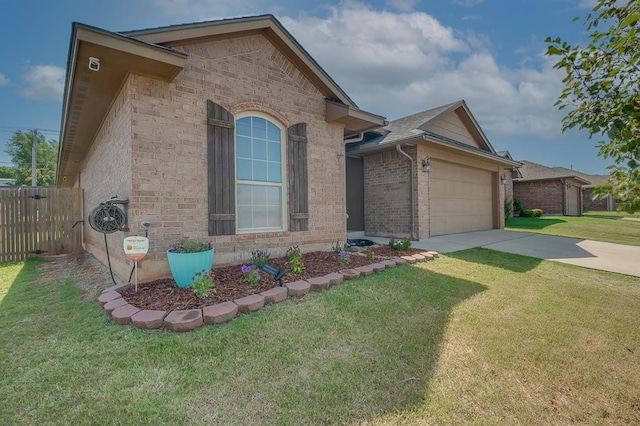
column 535, row 171
column 594, row 179
column 402, row 128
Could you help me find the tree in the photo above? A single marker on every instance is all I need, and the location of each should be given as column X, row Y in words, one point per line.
column 8, row 172
column 602, row 92
column 19, row 149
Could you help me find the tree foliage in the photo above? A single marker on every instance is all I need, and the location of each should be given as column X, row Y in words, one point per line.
column 8, row 172
column 19, row 149
column 602, row 92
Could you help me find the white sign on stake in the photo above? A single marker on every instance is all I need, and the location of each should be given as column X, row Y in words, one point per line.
column 135, row 248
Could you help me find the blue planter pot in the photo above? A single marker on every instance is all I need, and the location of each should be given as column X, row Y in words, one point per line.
column 184, row 266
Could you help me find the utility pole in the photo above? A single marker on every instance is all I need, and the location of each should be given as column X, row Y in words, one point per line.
column 34, row 152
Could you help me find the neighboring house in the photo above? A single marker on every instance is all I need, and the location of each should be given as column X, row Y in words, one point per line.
column 588, row 202
column 554, row 191
column 226, row 131
column 428, row 174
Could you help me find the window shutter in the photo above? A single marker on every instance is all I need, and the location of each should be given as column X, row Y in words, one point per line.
column 221, row 170
column 297, row 176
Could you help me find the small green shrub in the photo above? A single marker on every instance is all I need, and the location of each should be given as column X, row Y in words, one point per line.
column 517, row 205
column 190, row 246
column 202, row 284
column 531, row 213
column 369, row 254
column 508, row 208
column 260, row 258
column 403, row 244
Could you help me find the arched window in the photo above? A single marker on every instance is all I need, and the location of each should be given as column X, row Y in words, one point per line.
column 260, row 196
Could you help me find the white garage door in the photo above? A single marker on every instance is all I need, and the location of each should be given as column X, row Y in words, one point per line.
column 461, row 198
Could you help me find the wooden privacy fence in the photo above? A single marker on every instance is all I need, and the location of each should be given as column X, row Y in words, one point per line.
column 37, row 221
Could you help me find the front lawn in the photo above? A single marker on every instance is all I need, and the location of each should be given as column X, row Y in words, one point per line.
column 474, row 337
column 598, row 226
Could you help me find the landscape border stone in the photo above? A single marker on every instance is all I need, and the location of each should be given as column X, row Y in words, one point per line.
column 185, row 320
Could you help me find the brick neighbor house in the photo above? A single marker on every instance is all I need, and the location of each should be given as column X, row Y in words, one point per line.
column 588, row 202
column 428, row 174
column 555, row 191
column 226, row 131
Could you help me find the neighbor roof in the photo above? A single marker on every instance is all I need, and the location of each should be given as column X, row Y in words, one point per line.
column 533, row 171
column 414, row 127
column 594, row 179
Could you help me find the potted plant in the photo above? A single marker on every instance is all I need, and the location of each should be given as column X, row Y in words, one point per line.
column 187, row 259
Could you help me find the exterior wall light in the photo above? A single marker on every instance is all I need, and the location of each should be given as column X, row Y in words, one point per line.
column 426, row 165
column 503, row 179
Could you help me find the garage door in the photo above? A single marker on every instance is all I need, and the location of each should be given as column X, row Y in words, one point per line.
column 461, row 198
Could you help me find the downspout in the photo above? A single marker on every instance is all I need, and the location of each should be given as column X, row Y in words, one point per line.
column 355, row 139
column 413, row 227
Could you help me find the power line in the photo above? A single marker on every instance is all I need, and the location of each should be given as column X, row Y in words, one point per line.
column 14, row 128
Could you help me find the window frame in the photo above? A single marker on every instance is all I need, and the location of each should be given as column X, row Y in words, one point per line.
column 283, row 174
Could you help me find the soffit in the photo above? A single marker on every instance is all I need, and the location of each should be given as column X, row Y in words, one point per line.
column 90, row 94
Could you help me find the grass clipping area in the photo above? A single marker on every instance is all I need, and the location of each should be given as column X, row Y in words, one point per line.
column 475, row 337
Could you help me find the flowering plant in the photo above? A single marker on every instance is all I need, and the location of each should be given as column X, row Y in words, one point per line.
column 295, row 260
column 202, row 283
column 250, row 274
column 344, row 258
column 186, row 245
column 403, row 244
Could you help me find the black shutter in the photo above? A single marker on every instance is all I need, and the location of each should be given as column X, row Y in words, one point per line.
column 221, row 170
column 298, row 183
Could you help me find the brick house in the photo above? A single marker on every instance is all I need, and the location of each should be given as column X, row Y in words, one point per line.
column 226, row 131
column 556, row 191
column 428, row 174
column 588, row 202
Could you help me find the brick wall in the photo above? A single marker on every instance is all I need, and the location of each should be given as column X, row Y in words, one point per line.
column 599, row 204
column 169, row 136
column 387, row 208
column 106, row 172
column 545, row 195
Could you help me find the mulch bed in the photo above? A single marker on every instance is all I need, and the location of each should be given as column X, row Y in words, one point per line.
column 165, row 295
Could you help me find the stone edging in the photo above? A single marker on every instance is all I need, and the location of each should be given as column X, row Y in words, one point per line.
column 186, row 320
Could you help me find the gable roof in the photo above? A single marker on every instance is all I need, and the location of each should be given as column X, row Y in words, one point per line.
column 413, row 128
column 150, row 52
column 594, row 179
column 531, row 171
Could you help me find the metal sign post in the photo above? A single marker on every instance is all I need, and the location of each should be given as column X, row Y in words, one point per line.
column 135, row 248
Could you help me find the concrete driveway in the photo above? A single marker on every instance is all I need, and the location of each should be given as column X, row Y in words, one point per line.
column 610, row 257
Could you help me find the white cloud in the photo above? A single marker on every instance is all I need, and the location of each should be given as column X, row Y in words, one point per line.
column 43, row 82
column 467, row 3
column 402, row 5
column 3, row 80
column 402, row 63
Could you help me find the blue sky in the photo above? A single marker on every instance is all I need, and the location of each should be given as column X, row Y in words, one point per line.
column 393, row 57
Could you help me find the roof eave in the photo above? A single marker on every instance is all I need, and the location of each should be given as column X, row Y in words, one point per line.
column 119, row 56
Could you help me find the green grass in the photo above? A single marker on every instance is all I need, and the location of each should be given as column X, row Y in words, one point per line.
column 598, row 226
column 479, row 337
